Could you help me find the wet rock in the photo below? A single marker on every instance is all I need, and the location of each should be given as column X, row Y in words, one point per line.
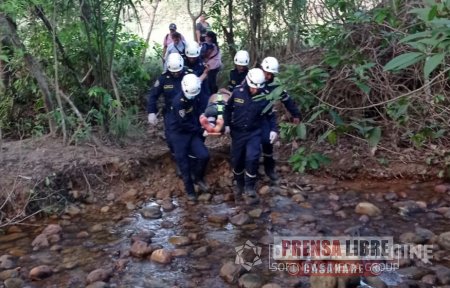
column 98, row 284
column 298, row 198
column 130, row 195
column 193, row 236
column 411, row 238
column 255, row 213
column 413, row 272
column 72, row 210
column 425, row 233
column 130, row 206
column 429, row 279
column 218, row 218
column 104, row 209
column 11, row 273
column 179, row 241
column 17, row 252
column 230, row 272
column 341, row 214
column 271, row 285
column 145, row 236
column 96, row 228
column 443, row 210
column 444, row 240
column 250, row 281
column 204, row 197
column 110, row 197
column 82, row 235
column 70, row 265
column 201, row 252
column 408, row 207
column 306, row 218
column 161, row 256
column 368, row 209
column 441, row 188
column 391, row 196
column 6, row 262
column 264, row 190
column 152, row 212
column 442, row 274
column 14, row 283
column 240, row 219
column 168, row 206
column 40, row 272
column 99, row 275
column 180, row 252
column 52, row 229
column 140, row 249
column 39, row 242
column 167, row 224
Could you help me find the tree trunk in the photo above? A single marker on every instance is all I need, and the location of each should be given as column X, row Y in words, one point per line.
column 152, row 22
column 228, row 31
column 193, row 16
column 8, row 30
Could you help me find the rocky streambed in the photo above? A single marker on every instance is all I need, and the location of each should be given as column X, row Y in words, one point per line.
column 143, row 233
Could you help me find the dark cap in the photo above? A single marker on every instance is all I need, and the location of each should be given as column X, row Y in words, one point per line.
column 172, row 26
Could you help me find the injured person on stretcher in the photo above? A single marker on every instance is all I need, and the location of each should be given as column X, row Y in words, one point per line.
column 212, row 119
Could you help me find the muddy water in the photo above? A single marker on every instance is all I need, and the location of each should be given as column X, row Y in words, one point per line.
column 327, row 209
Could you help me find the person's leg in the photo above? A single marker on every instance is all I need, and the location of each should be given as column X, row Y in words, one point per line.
column 267, row 152
column 167, row 135
column 181, row 148
column 212, row 80
column 253, row 152
column 200, row 151
column 238, row 163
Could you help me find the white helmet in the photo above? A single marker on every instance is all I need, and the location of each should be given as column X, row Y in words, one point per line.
column 255, row 78
column 191, row 86
column 175, row 62
column 242, row 58
column 192, row 49
column 270, row 64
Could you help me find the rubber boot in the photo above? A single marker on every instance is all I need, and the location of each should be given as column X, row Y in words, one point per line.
column 238, row 189
column 250, row 195
column 269, row 169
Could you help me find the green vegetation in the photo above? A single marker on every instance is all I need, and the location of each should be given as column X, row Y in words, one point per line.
column 374, row 71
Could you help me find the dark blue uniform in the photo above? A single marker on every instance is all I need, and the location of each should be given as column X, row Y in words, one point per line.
column 169, row 86
column 197, row 68
column 236, row 78
column 186, row 137
column 245, row 117
column 267, row 148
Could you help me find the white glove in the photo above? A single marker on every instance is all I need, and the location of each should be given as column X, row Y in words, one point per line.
column 273, row 136
column 152, row 119
column 205, row 133
column 227, row 129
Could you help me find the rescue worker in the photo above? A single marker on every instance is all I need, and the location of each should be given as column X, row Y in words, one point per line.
column 193, row 64
column 169, row 85
column 186, row 133
column 270, row 66
column 237, row 75
column 244, row 118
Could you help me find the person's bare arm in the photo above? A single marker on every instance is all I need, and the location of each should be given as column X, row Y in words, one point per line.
column 197, row 33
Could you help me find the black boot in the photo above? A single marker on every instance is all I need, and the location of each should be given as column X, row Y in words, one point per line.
column 250, row 195
column 202, row 186
column 269, row 169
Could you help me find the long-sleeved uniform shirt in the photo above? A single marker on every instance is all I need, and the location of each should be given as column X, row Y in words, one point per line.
column 244, row 114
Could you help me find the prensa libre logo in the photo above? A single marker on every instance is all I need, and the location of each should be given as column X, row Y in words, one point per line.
column 248, row 250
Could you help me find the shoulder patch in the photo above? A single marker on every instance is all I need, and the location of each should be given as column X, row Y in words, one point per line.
column 239, row 100
column 182, row 113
